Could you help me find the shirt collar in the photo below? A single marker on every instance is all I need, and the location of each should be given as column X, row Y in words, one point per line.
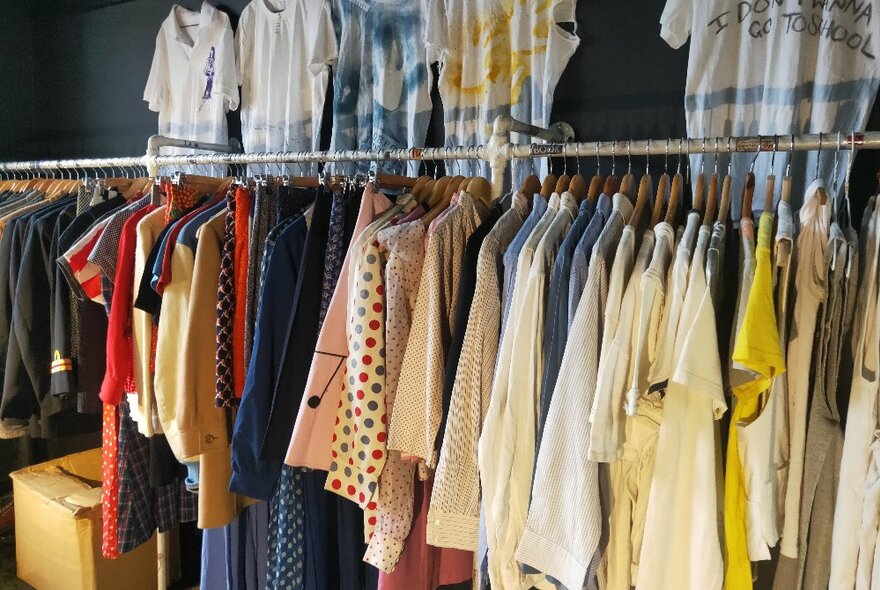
column 206, row 15
column 622, row 205
column 603, row 206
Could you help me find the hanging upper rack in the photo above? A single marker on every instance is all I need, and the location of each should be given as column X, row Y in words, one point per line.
column 498, row 152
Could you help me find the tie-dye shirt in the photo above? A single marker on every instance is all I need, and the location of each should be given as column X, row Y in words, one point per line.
column 192, row 79
column 281, row 99
column 502, row 57
column 382, row 51
column 764, row 67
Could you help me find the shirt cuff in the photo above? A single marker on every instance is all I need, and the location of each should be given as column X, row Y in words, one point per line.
column 383, row 553
column 453, row 531
column 351, row 483
column 551, row 559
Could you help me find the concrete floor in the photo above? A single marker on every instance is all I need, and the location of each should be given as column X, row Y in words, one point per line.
column 8, row 580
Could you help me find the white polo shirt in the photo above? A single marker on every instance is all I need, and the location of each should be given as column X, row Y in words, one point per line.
column 192, row 81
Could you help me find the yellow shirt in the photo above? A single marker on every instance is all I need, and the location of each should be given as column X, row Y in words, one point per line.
column 758, row 348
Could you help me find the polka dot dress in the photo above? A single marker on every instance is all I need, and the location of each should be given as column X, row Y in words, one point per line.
column 358, row 443
column 109, row 483
column 286, row 543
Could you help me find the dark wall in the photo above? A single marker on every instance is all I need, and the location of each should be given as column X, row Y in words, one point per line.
column 79, row 68
column 87, row 62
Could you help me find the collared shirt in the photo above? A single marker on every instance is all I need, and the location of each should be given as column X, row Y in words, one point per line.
column 453, row 519
column 607, row 433
column 556, row 322
column 511, row 255
column 809, row 287
column 580, row 261
column 851, row 555
column 507, row 443
column 559, row 540
column 715, row 260
column 681, row 548
column 413, row 428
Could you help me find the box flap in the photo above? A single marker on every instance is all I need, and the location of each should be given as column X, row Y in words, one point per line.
column 64, row 483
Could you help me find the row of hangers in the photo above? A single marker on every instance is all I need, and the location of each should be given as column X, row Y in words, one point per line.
column 704, row 199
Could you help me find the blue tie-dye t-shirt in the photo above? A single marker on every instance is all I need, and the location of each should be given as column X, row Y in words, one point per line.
column 381, row 51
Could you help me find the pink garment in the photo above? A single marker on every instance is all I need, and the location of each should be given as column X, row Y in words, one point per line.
column 423, row 566
column 313, row 429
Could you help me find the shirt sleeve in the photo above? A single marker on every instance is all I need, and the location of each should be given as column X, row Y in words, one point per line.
column 676, row 22
column 156, row 90
column 243, row 44
column 325, row 49
column 227, row 77
column 435, row 30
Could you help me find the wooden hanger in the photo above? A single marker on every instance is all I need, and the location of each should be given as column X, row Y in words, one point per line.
column 612, row 183
column 787, row 180
column 748, row 192
column 564, row 181
column 448, row 189
column 531, row 186
column 420, row 184
column 626, row 184
column 712, row 198
column 725, row 199
column 643, row 199
column 548, row 186
column 659, row 199
column 481, row 192
column 674, row 198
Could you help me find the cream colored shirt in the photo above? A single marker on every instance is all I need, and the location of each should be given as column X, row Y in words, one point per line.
column 681, row 548
column 809, row 293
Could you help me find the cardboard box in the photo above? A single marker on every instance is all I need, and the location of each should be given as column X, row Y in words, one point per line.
column 58, row 530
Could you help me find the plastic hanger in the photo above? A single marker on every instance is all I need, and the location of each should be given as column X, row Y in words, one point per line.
column 643, row 198
column 712, row 197
column 675, row 191
column 662, row 185
column 578, row 185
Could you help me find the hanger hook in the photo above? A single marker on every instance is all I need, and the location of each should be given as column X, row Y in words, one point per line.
column 773, row 157
column 648, row 158
column 836, row 158
column 818, row 155
column 678, row 166
column 703, row 157
column 629, row 163
column 598, row 163
column 613, row 158
column 666, row 159
column 715, row 167
column 577, row 158
column 849, row 166
column 755, row 159
column 790, row 155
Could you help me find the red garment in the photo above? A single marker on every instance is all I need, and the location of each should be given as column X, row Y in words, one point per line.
column 166, row 276
column 109, row 483
column 240, row 274
column 423, row 566
column 120, row 358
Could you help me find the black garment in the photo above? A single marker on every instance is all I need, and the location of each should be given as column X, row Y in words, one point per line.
column 90, row 345
column 32, row 325
column 352, row 208
column 29, row 297
column 466, row 287
column 147, row 299
column 302, row 334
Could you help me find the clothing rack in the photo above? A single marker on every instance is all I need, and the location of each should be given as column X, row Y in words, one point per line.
column 498, row 152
